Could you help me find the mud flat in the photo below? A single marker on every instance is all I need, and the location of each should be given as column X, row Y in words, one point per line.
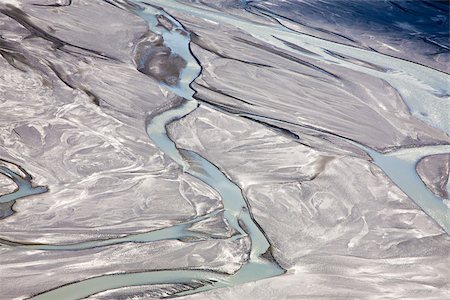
column 221, row 149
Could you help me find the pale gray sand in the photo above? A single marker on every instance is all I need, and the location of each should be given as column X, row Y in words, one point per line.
column 434, row 172
column 267, row 190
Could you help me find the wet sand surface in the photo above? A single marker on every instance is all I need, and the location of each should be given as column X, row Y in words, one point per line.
column 224, row 149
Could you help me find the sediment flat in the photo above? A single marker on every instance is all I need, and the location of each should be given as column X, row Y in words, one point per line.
column 224, row 149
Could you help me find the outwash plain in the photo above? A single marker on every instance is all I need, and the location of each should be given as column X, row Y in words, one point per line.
column 224, row 149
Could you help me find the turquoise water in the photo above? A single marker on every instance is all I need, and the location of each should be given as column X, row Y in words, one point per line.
column 236, row 209
column 424, row 103
column 24, row 186
column 24, row 189
column 398, row 165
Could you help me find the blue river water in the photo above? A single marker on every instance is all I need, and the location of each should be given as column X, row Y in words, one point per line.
column 398, row 165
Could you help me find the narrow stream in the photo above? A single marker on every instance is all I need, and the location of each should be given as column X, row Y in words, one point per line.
column 398, row 165
column 236, row 210
column 425, row 103
column 24, row 189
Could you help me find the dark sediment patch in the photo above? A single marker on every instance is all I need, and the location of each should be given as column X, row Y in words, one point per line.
column 155, row 59
column 434, row 172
